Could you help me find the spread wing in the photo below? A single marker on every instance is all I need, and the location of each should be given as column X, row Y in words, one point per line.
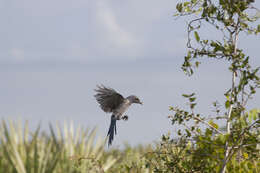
column 108, row 98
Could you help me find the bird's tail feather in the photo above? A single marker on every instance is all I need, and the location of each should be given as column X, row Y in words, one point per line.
column 112, row 130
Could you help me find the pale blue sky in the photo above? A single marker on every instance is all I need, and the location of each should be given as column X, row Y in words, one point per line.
column 54, row 52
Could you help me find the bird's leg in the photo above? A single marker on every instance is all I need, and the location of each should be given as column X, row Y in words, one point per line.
column 125, row 117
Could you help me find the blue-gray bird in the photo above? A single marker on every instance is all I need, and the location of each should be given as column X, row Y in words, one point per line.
column 111, row 101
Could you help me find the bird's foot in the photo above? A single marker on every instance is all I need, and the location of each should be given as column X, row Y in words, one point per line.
column 125, row 117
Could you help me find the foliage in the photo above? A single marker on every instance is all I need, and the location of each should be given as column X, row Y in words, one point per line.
column 23, row 150
column 234, row 148
column 132, row 160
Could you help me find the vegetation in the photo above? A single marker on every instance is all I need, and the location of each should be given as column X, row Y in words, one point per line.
column 235, row 148
column 229, row 141
column 24, row 151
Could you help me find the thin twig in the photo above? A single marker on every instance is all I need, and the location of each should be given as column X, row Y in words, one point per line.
column 206, row 123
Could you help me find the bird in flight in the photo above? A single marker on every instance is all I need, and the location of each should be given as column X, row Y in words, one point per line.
column 111, row 101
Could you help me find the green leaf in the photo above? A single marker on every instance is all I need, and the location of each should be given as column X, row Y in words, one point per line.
column 192, row 99
column 186, row 4
column 193, row 105
column 185, row 95
column 188, row 133
column 222, row 138
column 179, row 132
column 227, row 104
column 245, row 155
column 196, row 36
column 188, row 95
column 179, row 7
column 253, row 114
column 197, row 63
column 213, row 124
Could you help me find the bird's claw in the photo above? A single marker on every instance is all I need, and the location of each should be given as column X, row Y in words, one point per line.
column 125, row 117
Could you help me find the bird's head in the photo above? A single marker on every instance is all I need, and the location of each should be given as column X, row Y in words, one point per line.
column 134, row 99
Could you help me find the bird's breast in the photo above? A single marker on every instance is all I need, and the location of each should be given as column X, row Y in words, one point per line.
column 122, row 108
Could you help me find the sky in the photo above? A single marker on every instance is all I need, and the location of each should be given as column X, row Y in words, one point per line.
column 53, row 53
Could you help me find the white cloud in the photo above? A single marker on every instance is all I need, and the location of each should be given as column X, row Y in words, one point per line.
column 86, row 30
column 120, row 39
column 116, row 32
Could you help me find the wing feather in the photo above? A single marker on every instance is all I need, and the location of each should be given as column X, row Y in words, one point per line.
column 108, row 98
